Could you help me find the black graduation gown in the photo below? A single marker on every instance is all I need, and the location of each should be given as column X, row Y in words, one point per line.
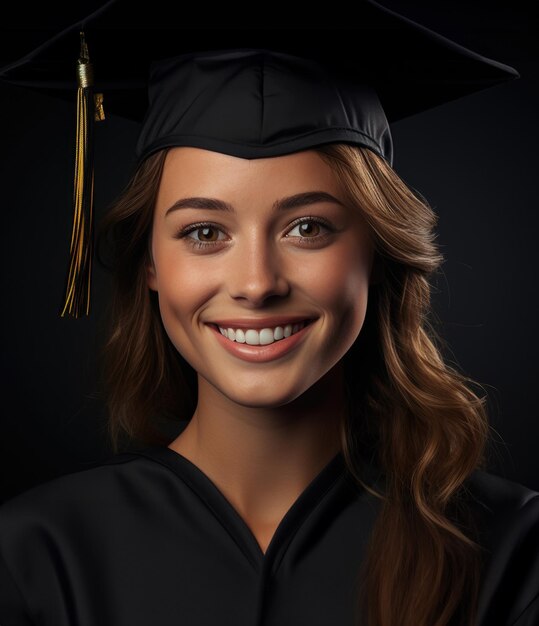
column 147, row 538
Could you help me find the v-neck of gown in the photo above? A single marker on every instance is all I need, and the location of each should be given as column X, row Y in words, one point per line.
column 147, row 537
column 229, row 517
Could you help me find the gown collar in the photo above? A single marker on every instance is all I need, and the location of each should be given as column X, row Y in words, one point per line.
column 332, row 475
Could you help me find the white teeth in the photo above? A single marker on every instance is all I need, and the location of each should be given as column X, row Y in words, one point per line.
column 238, row 336
column 263, row 337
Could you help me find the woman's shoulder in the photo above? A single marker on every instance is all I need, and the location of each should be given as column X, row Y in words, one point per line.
column 507, row 521
column 51, row 518
column 95, row 484
column 506, row 512
column 500, row 498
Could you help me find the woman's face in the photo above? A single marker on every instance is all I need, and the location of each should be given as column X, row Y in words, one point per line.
column 255, row 261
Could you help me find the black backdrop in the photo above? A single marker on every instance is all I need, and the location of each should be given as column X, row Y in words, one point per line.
column 474, row 159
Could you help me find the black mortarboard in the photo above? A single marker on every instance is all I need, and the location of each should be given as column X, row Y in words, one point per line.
column 247, row 90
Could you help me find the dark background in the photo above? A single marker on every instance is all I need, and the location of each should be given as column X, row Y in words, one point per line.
column 474, row 160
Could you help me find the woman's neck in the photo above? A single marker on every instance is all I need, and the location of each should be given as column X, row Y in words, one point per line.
column 262, row 458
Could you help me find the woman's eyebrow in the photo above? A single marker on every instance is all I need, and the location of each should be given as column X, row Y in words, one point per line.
column 291, row 202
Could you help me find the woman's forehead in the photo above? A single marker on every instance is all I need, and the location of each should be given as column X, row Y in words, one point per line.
column 190, row 171
column 193, row 157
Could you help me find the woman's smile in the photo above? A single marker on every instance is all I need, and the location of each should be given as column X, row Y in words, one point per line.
column 256, row 346
column 263, row 335
column 278, row 278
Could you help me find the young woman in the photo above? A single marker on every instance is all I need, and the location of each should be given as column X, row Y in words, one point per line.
column 326, row 465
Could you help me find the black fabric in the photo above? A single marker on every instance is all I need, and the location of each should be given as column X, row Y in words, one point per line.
column 257, row 103
column 147, row 538
column 249, row 88
column 326, row 81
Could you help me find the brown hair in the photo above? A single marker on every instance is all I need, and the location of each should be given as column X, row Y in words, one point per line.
column 412, row 414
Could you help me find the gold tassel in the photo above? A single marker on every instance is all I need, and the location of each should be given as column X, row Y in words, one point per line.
column 89, row 108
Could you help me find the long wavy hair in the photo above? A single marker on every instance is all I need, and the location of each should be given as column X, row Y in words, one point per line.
column 410, row 412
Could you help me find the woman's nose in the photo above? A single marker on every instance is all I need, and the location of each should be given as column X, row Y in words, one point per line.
column 256, row 270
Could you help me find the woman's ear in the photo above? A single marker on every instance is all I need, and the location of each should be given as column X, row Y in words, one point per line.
column 151, row 274
column 151, row 278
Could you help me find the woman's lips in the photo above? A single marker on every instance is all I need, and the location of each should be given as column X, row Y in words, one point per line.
column 259, row 354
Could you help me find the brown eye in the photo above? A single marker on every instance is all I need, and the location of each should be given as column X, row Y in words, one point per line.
column 207, row 235
column 306, row 228
column 205, row 230
column 309, row 228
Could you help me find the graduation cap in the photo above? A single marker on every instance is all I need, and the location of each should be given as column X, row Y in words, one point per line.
column 250, row 90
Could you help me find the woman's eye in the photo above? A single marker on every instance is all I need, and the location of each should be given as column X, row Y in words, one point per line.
column 205, row 235
column 309, row 228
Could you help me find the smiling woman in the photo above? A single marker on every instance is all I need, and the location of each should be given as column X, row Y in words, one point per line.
column 255, row 268
column 290, row 446
column 364, row 377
